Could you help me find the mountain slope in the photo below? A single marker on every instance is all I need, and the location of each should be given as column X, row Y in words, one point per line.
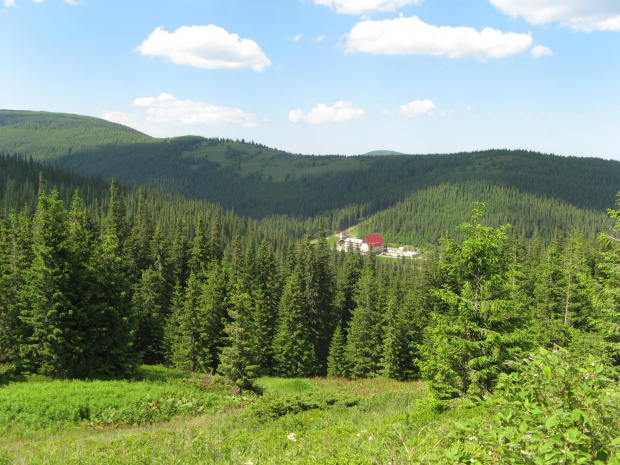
column 257, row 181
column 434, row 212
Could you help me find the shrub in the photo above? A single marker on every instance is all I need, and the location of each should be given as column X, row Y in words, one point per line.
column 549, row 411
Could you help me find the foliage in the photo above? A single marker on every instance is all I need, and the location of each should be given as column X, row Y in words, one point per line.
column 47, row 405
column 547, row 411
column 484, row 327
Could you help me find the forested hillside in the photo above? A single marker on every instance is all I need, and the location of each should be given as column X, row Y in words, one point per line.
column 258, row 182
column 437, row 211
column 92, row 286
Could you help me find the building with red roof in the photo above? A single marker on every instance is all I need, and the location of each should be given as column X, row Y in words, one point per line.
column 373, row 243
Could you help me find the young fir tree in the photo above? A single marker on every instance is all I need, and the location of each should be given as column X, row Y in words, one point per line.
column 200, row 254
column 399, row 338
column 116, row 321
column 293, row 351
column 483, row 329
column 116, row 220
column 8, row 311
column 138, row 245
column 179, row 254
column 365, row 335
column 52, row 339
column 15, row 257
column 266, row 295
column 237, row 361
column 337, row 366
column 150, row 303
column 604, row 322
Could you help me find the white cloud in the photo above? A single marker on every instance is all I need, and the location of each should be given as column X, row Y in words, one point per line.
column 320, row 38
column 540, row 50
column 209, row 47
column 119, row 117
column 417, row 107
column 9, row 3
column 357, row 7
column 297, row 37
column 579, row 15
column 411, row 36
column 167, row 109
column 339, row 113
column 70, row 2
column 446, row 112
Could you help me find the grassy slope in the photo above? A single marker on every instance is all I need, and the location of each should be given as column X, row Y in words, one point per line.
column 386, row 420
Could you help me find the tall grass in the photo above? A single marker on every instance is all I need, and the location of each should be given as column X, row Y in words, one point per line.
column 297, row 421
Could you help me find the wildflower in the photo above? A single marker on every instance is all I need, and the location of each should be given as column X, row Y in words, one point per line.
column 371, row 438
column 291, row 437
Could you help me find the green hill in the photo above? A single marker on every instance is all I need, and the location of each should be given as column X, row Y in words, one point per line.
column 259, row 182
column 377, row 153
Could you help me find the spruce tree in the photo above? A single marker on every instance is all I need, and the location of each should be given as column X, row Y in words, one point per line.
column 293, row 350
column 238, row 359
column 483, row 329
column 337, row 366
column 266, row 296
column 52, row 341
column 365, row 335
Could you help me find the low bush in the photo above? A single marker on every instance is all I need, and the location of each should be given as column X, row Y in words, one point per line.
column 549, row 411
column 276, row 404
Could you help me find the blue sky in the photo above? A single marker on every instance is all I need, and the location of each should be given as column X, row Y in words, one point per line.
column 327, row 76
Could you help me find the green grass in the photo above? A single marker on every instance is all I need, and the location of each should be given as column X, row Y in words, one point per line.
column 41, row 406
column 298, row 421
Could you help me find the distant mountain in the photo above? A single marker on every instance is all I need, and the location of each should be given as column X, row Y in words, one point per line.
column 258, row 181
column 377, row 153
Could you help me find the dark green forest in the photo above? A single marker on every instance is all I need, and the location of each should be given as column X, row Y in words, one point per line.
column 211, row 257
column 93, row 285
column 258, row 182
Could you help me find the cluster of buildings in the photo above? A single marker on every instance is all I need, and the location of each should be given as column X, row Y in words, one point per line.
column 373, row 243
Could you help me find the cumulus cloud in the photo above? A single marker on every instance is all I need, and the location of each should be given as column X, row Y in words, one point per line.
column 320, row 38
column 356, row 7
column 119, row 117
column 297, row 37
column 579, row 15
column 412, row 36
column 8, row 3
column 417, row 108
column 540, row 50
column 339, row 113
column 167, row 109
column 209, row 47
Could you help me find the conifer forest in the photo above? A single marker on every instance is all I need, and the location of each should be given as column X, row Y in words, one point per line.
column 234, row 331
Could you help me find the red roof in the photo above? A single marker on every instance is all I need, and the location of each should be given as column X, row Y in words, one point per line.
column 374, row 239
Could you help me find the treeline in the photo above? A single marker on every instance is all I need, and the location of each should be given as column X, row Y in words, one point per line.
column 79, row 300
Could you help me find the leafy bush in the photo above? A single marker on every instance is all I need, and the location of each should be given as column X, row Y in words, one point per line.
column 549, row 411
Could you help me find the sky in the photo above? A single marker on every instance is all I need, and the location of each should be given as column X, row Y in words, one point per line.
column 327, row 76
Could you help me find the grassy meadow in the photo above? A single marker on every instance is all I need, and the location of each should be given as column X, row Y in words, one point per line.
column 171, row 417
